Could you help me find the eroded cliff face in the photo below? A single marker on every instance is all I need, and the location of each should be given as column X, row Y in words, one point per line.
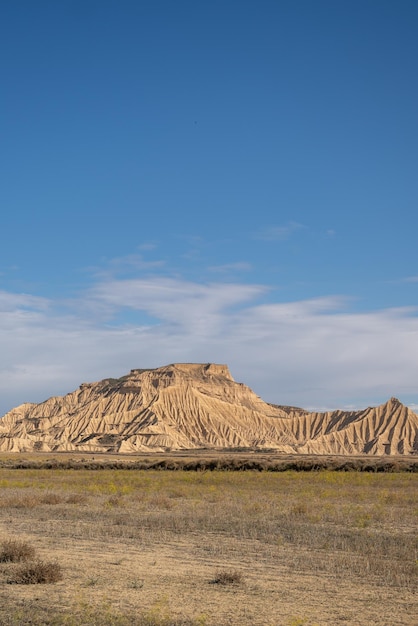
column 189, row 405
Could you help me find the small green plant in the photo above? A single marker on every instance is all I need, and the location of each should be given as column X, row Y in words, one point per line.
column 76, row 498
column 92, row 582
column 51, row 498
column 15, row 551
column 136, row 583
column 299, row 509
column 114, row 501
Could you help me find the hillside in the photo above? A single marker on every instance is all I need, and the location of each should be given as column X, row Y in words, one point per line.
column 189, row 406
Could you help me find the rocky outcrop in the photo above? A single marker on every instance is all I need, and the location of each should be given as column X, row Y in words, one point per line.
column 189, row 405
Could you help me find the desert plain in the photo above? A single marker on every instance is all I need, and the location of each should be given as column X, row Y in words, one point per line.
column 157, row 547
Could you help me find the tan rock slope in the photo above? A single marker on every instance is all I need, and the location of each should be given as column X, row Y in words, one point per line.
column 187, row 405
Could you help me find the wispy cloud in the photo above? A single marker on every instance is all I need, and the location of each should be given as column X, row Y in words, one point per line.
column 147, row 246
column 133, row 262
column 280, row 233
column 22, row 302
column 231, row 267
column 126, row 265
column 314, row 352
column 410, row 279
column 4, row 271
column 176, row 301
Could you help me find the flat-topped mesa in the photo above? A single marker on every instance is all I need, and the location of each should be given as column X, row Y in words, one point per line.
column 204, row 369
column 198, row 405
column 198, row 369
column 175, row 372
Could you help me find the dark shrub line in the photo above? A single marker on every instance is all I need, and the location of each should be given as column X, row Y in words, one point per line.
column 227, row 464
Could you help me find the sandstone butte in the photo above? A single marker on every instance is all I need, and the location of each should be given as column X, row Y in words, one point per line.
column 191, row 406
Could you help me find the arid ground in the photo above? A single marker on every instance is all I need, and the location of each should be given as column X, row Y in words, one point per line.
column 212, row 547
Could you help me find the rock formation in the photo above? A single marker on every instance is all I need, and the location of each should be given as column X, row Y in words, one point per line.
column 186, row 406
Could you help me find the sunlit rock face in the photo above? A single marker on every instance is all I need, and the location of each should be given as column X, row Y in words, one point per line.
column 198, row 405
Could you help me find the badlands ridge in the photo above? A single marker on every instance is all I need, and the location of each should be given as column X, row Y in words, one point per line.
column 191, row 406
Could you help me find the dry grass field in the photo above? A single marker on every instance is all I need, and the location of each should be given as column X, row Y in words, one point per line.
column 214, row 548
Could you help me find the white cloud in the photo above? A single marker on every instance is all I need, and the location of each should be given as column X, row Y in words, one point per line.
column 24, row 302
column 126, row 265
column 308, row 353
column 147, row 246
column 231, row 267
column 280, row 233
column 178, row 302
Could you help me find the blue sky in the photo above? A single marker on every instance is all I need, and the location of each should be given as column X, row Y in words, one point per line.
column 210, row 181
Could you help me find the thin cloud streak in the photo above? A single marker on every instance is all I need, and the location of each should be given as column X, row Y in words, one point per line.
column 125, row 265
column 231, row 267
column 307, row 353
column 280, row 233
column 12, row 301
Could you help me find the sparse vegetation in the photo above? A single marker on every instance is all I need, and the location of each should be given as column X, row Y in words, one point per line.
column 153, row 533
column 228, row 577
column 36, row 572
column 29, row 571
column 86, row 614
column 15, row 551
